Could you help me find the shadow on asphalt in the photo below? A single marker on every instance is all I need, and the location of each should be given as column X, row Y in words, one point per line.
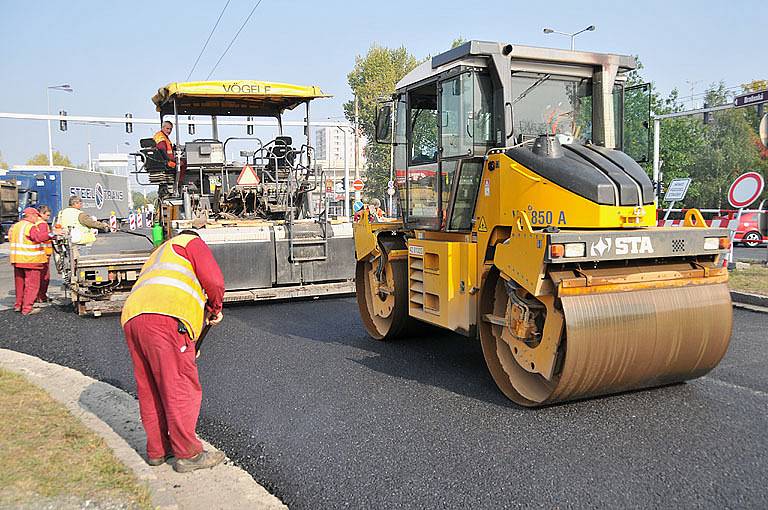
column 428, row 355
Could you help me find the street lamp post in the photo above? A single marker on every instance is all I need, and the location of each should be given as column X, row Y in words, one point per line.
column 63, row 87
column 590, row 28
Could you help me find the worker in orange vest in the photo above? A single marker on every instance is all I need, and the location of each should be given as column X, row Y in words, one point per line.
column 44, row 213
column 28, row 258
column 180, row 288
column 163, row 142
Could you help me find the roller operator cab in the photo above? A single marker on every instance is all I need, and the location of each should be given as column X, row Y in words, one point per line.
column 526, row 220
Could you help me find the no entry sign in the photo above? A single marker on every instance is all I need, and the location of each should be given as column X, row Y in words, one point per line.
column 745, row 189
column 358, row 185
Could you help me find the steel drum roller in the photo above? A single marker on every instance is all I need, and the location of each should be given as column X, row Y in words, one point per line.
column 621, row 341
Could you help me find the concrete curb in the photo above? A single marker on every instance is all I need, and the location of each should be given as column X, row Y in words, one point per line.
column 113, row 414
column 754, row 302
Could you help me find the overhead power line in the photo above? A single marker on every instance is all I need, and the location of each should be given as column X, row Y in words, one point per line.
column 207, row 40
column 234, row 38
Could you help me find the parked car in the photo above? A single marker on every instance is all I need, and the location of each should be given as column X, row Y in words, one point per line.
column 753, row 229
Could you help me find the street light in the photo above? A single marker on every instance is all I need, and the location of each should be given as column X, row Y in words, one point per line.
column 590, row 28
column 65, row 87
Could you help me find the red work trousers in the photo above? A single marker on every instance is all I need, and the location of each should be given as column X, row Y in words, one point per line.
column 27, row 282
column 167, row 385
column 45, row 279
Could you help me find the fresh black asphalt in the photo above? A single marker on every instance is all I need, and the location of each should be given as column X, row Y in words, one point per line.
column 325, row 417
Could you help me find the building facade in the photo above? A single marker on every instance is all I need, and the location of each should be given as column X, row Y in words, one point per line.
column 329, row 153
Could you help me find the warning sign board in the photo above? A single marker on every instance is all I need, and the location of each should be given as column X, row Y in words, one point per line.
column 248, row 177
column 677, row 189
column 481, row 226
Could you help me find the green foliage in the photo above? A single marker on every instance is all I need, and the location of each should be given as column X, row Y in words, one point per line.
column 138, row 199
column 711, row 154
column 373, row 78
column 458, row 42
column 59, row 159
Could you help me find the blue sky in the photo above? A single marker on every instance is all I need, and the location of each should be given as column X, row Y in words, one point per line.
column 116, row 54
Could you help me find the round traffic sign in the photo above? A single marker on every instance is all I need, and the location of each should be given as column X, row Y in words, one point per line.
column 764, row 130
column 391, row 191
column 745, row 189
column 358, row 185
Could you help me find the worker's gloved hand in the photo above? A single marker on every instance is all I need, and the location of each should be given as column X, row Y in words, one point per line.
column 216, row 319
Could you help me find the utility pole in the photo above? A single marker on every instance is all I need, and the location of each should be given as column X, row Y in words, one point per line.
column 692, row 84
column 357, row 147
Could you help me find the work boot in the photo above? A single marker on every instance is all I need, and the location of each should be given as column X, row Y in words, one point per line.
column 202, row 460
column 159, row 461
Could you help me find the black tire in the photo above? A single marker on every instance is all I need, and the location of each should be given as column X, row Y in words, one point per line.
column 752, row 239
column 396, row 323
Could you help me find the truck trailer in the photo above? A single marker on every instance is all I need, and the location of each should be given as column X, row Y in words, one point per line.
column 102, row 193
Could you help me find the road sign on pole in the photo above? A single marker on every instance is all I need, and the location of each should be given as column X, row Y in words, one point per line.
column 751, row 99
column 745, row 189
column 677, row 189
column 676, row 192
column 358, row 185
column 764, row 130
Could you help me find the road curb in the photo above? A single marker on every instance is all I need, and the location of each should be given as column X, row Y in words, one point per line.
column 755, row 302
column 113, row 414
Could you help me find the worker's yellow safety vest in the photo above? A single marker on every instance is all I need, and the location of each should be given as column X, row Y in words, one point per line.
column 162, row 137
column 168, row 285
column 23, row 249
column 80, row 234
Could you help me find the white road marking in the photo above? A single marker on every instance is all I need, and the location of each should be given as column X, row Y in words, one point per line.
column 720, row 382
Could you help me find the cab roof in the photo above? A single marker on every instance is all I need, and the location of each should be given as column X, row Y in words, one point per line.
column 233, row 98
column 477, row 53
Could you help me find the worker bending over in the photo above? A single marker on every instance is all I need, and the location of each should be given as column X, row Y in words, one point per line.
column 179, row 287
column 79, row 222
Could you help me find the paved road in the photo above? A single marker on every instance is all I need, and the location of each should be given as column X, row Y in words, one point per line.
column 751, row 254
column 326, row 418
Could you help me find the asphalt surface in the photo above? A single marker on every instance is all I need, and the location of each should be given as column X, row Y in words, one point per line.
column 745, row 254
column 324, row 417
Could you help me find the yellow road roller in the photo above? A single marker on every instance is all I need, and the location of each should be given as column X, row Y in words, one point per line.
column 524, row 219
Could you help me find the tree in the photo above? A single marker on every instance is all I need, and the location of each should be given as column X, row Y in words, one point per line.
column 712, row 155
column 374, row 77
column 41, row 159
column 138, row 199
column 458, row 42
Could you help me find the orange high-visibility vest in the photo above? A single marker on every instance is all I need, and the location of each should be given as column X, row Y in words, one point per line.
column 48, row 245
column 161, row 137
column 168, row 285
column 23, row 249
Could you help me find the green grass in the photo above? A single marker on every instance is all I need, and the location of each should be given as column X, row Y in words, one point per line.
column 754, row 279
column 48, row 455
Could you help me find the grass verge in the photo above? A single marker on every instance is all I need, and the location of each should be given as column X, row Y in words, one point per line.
column 753, row 279
column 49, row 456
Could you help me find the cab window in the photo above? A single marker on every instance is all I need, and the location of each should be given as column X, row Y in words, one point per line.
column 423, row 123
column 423, row 200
